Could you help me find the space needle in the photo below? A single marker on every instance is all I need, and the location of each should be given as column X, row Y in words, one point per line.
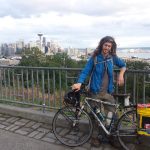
column 40, row 36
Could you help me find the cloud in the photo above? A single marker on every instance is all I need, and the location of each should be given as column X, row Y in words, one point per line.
column 21, row 8
column 77, row 23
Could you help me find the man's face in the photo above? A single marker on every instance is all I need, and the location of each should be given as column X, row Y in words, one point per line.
column 106, row 48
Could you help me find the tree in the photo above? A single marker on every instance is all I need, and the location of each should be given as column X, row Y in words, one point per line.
column 32, row 57
column 138, row 65
column 35, row 58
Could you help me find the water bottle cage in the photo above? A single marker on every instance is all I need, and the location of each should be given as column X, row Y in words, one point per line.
column 100, row 116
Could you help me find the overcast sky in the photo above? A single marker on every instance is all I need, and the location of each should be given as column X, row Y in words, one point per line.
column 76, row 23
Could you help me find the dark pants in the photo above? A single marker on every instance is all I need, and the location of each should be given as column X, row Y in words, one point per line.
column 104, row 108
column 104, row 97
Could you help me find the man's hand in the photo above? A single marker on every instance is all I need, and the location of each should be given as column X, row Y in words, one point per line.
column 76, row 86
column 120, row 80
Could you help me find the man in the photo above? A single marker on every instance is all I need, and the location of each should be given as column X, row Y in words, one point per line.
column 101, row 65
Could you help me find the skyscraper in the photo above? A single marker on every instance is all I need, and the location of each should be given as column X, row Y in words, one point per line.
column 40, row 43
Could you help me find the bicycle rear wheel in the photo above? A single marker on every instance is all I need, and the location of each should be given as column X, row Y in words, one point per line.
column 70, row 129
column 127, row 131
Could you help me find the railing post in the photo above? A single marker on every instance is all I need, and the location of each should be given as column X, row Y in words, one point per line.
column 13, row 80
column 22, row 79
column 60, row 89
column 27, row 80
column 43, row 91
column 66, row 77
column 37, row 85
column 5, row 84
column 1, row 85
column 32, row 79
column 48, row 87
column 144, row 88
column 134, row 87
column 54, row 87
column 9, row 83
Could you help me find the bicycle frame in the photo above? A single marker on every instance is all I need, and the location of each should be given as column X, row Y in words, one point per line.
column 91, row 109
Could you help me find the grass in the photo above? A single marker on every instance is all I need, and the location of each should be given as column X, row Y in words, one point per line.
column 27, row 97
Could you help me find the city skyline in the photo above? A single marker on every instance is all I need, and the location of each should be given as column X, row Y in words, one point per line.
column 36, row 41
column 75, row 23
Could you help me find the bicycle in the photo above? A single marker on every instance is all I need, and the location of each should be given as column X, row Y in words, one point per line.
column 72, row 124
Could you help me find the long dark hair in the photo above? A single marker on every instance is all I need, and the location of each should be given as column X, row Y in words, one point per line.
column 100, row 46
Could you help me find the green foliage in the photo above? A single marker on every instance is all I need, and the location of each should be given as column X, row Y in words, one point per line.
column 138, row 78
column 32, row 57
column 35, row 58
column 138, row 65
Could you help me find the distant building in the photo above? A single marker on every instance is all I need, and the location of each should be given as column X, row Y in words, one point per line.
column 44, row 42
column 38, row 43
column 9, row 62
column 88, row 51
column 32, row 44
column 73, row 52
column 11, row 49
column 19, row 46
column 4, row 49
column 52, row 48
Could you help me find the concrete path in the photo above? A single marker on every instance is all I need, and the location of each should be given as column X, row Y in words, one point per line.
column 12, row 141
column 17, row 133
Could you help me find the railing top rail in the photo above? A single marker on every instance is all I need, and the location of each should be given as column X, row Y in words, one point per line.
column 41, row 68
column 66, row 69
column 135, row 71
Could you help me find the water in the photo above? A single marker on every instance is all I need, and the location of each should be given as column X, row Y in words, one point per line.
column 143, row 53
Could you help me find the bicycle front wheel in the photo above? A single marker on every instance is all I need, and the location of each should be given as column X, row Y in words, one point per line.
column 71, row 129
column 127, row 130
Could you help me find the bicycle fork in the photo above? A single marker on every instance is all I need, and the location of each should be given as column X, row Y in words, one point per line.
column 78, row 113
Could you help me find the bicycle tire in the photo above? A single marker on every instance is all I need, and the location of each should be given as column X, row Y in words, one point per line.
column 68, row 133
column 127, row 130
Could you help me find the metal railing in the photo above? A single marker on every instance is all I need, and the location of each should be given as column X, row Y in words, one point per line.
column 44, row 87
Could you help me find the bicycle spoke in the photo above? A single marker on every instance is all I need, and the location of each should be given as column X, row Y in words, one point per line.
column 131, row 121
column 66, row 117
column 127, row 131
column 72, row 131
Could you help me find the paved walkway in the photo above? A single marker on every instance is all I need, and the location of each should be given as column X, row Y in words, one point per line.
column 39, row 136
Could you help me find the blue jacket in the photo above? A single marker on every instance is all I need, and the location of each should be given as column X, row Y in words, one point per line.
column 97, row 75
